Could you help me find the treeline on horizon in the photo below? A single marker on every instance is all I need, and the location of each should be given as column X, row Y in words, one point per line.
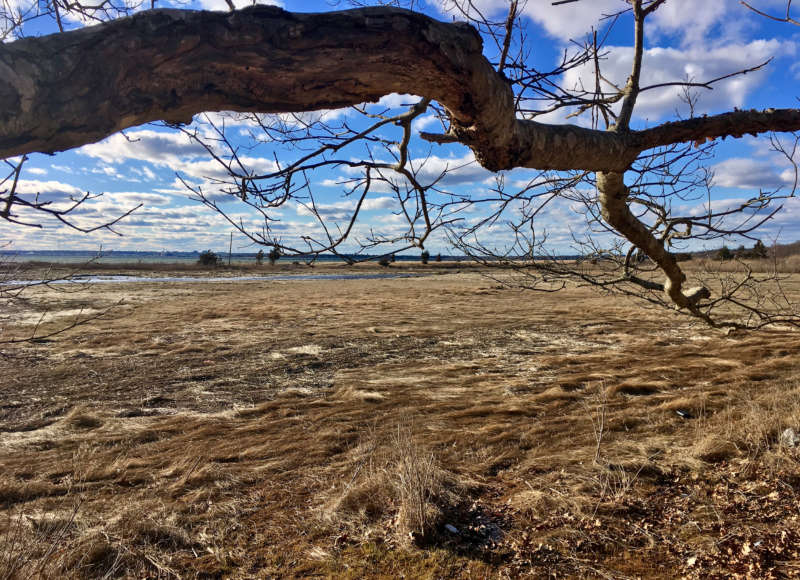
column 759, row 250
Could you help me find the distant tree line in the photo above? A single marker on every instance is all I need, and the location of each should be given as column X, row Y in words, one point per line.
column 759, row 250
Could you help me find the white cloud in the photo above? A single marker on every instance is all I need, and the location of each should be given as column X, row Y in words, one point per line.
column 176, row 152
column 696, row 63
column 785, row 225
column 572, row 20
column 395, row 100
column 340, row 210
column 379, row 203
column 49, row 189
column 748, row 173
column 212, row 169
column 36, row 171
column 449, row 171
column 221, row 5
column 565, row 21
column 303, row 119
column 135, row 198
column 144, row 172
column 691, row 19
column 156, row 147
column 107, row 171
column 426, row 121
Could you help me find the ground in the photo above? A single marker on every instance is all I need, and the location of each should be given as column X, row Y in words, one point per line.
column 429, row 427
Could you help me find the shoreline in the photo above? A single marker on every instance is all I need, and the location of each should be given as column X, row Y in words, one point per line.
column 31, row 270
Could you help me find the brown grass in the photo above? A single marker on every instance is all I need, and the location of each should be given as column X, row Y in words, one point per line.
column 302, row 428
column 785, row 265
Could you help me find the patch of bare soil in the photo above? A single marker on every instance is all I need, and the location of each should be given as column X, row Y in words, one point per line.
column 431, row 427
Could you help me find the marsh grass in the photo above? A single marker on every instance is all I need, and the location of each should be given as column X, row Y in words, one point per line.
column 751, row 425
column 36, row 546
column 397, row 486
column 229, row 447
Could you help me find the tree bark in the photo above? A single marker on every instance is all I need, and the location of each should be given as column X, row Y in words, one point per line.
column 613, row 198
column 61, row 91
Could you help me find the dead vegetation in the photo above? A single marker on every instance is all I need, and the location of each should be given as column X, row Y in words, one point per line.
column 431, row 427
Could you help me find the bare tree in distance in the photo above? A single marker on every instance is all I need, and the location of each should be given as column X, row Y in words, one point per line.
column 271, row 69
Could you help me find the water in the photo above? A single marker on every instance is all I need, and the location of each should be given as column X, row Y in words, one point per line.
column 277, row 277
column 125, row 257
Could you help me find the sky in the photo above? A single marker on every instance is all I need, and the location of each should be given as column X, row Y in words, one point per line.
column 151, row 166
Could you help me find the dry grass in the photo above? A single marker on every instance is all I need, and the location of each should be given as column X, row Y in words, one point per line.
column 785, row 265
column 397, row 491
column 298, row 429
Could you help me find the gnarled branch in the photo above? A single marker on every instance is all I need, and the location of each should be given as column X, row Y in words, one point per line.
column 62, row 91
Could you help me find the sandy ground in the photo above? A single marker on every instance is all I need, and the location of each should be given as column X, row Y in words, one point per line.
column 337, row 428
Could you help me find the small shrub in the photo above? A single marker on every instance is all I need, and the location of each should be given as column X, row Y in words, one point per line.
column 208, row 258
column 384, row 262
column 273, row 256
column 725, row 254
column 425, row 256
column 260, row 257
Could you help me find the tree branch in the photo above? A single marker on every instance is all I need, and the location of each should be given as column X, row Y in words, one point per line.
column 733, row 124
column 60, row 91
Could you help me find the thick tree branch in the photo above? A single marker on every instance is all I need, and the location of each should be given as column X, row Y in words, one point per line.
column 613, row 197
column 65, row 90
column 733, row 124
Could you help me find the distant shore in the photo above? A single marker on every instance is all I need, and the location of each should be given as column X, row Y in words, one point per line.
column 37, row 270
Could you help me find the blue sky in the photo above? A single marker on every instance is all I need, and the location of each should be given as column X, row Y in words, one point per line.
column 687, row 39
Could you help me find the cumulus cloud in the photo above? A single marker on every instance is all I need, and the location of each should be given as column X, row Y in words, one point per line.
column 176, row 152
column 446, row 171
column 783, row 226
column 144, row 172
column 48, row 190
column 565, row 22
column 572, row 20
column 394, row 100
column 458, row 170
column 689, row 20
column 135, row 198
column 340, row 210
column 426, row 122
column 212, row 169
column 692, row 20
column 748, row 173
column 156, row 147
column 696, row 63
column 764, row 167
